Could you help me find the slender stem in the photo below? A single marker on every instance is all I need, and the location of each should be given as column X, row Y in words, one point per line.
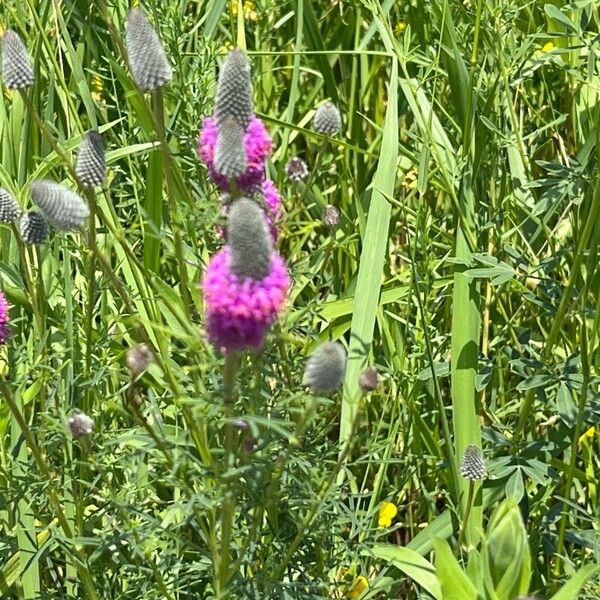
column 465, row 520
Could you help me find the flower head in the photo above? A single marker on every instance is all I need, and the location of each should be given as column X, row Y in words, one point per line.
column 63, row 208
column 387, row 512
column 230, row 153
column 139, row 358
column 234, row 90
column 472, row 466
column 325, row 368
column 91, row 165
column 10, row 211
column 149, row 64
column 257, row 144
column 296, row 169
column 80, row 424
column 369, row 380
column 240, row 311
column 17, row 71
column 273, row 206
column 331, row 216
column 34, row 228
column 327, row 119
column 4, row 320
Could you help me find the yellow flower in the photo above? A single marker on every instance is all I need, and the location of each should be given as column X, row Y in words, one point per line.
column 548, row 47
column 400, row 27
column 387, row 511
column 249, row 9
column 588, row 434
column 359, row 585
column 97, row 87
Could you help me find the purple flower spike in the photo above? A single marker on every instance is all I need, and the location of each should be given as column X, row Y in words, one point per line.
column 239, row 312
column 257, row 143
column 4, row 319
column 273, row 207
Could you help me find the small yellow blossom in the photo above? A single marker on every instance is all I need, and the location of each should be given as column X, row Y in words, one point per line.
column 359, row 585
column 97, row 87
column 588, row 434
column 400, row 27
column 548, row 47
column 250, row 13
column 387, row 511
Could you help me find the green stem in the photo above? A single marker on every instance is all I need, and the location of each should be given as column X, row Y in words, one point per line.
column 465, row 519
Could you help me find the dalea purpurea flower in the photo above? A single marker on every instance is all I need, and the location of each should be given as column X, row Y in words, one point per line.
column 139, row 358
column 4, row 320
column 246, row 283
column 325, row 368
column 90, row 166
column 296, row 169
column 10, row 211
column 234, row 90
column 230, row 153
column 327, row 120
column 34, row 228
column 148, row 61
column 64, row 209
column 472, row 466
column 17, row 71
column 257, row 144
column 80, row 424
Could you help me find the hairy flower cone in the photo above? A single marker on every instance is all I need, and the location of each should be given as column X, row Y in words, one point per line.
column 17, row 71
column 325, row 368
column 230, row 153
column 81, row 425
column 63, row 208
column 234, row 90
column 472, row 466
column 249, row 240
column 91, row 165
column 34, row 228
column 257, row 144
column 9, row 209
column 240, row 311
column 327, row 119
column 4, row 320
column 149, row 64
column 296, row 169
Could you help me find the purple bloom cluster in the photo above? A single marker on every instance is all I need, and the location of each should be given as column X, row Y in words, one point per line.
column 4, row 320
column 239, row 312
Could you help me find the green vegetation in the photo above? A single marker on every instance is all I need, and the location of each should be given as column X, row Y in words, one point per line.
column 464, row 267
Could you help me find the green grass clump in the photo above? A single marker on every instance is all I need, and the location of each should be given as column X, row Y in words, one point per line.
column 463, row 267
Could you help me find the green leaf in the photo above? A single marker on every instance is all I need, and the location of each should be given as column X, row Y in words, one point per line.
column 571, row 588
column 454, row 581
column 412, row 564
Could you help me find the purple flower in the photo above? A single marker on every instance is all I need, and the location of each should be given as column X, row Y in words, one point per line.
column 257, row 143
column 239, row 311
column 273, row 207
column 4, row 319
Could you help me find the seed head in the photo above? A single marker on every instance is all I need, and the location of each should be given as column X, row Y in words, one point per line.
column 325, row 368
column 369, row 380
column 9, row 209
column 331, row 216
column 34, row 228
column 296, row 169
column 17, row 71
column 230, row 154
column 80, row 424
column 472, row 466
column 149, row 64
column 91, row 165
column 327, row 120
column 250, row 241
column 63, row 208
column 234, row 90
column 139, row 358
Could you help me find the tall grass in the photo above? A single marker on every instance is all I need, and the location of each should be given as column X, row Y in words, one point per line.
column 464, row 267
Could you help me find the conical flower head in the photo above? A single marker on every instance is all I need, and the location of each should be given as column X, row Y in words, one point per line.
column 234, row 90
column 472, row 466
column 325, row 368
column 9, row 209
column 327, row 120
column 149, row 64
column 62, row 207
column 230, row 153
column 91, row 165
column 249, row 239
column 296, row 169
column 81, row 425
column 34, row 228
column 17, row 71
column 4, row 320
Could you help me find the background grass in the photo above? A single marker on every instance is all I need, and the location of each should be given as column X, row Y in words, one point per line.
column 465, row 267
